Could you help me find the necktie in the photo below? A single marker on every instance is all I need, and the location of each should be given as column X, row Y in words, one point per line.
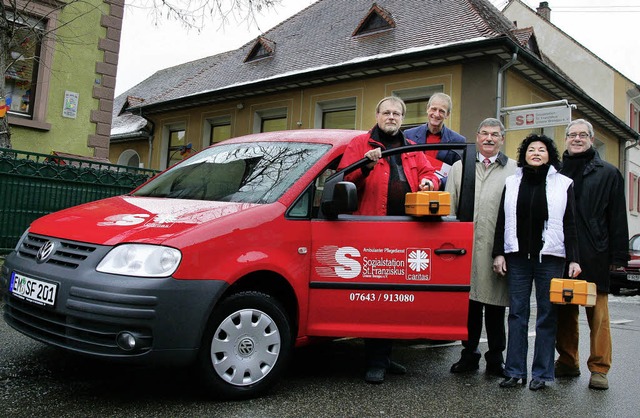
column 486, row 162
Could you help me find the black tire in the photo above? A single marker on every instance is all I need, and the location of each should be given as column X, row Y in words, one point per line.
column 245, row 347
column 615, row 290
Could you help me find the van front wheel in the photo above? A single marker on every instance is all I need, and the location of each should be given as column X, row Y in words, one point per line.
column 246, row 346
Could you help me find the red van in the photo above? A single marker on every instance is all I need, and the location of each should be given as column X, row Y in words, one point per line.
column 236, row 255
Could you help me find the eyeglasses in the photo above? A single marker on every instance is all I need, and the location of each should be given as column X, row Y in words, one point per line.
column 494, row 135
column 388, row 114
column 582, row 135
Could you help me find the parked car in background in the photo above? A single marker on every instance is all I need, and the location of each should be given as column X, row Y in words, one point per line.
column 232, row 257
column 629, row 277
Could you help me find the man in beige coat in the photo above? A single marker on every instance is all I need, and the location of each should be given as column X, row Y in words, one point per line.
column 488, row 291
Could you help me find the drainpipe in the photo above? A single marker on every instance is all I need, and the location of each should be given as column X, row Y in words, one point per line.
column 501, row 71
column 149, row 138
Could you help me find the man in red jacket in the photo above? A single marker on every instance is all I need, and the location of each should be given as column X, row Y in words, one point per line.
column 382, row 185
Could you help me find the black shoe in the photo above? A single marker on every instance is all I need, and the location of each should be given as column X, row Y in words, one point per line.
column 463, row 366
column 511, row 382
column 537, row 384
column 563, row 370
column 396, row 368
column 375, row 375
column 495, row 370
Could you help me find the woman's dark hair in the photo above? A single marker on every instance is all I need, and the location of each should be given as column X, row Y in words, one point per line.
column 554, row 156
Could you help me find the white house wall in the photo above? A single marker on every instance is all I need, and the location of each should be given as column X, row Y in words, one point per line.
column 588, row 71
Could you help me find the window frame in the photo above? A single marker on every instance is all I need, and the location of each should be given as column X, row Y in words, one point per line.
column 46, row 13
column 335, row 105
column 270, row 114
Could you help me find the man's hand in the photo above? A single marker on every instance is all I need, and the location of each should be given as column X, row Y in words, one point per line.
column 500, row 265
column 426, row 184
column 374, row 155
column 574, row 269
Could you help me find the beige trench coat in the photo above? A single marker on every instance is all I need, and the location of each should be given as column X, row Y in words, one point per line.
column 486, row 286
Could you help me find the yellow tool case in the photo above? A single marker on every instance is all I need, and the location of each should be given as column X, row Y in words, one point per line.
column 433, row 203
column 576, row 292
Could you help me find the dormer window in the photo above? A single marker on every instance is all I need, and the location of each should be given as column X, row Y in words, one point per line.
column 263, row 48
column 377, row 20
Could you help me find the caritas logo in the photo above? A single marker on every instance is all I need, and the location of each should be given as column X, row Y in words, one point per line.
column 373, row 263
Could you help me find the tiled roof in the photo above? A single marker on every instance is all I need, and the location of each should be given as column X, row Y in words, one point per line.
column 321, row 36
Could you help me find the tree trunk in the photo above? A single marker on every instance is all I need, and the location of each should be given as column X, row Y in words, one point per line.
column 5, row 133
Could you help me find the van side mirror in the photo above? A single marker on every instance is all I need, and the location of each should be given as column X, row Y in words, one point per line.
column 344, row 200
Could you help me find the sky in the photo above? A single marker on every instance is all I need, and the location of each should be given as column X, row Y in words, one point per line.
column 606, row 27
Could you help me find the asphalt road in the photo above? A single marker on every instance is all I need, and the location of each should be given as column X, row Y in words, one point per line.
column 322, row 381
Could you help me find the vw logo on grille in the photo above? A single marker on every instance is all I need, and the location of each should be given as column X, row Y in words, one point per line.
column 45, row 251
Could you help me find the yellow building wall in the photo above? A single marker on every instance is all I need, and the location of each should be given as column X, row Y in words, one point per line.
column 300, row 106
column 521, row 92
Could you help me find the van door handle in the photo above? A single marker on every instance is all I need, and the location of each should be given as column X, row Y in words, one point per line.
column 454, row 251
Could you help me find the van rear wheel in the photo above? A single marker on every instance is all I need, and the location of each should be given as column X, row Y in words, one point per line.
column 246, row 346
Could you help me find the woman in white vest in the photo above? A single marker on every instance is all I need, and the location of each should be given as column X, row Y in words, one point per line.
column 535, row 238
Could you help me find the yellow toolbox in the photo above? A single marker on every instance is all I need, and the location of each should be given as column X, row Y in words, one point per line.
column 433, row 203
column 576, row 292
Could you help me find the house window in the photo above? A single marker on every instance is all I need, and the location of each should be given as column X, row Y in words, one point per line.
column 220, row 129
column 177, row 147
column 274, row 124
column 339, row 119
column 21, row 76
column 634, row 117
column 416, row 113
column 637, row 190
column 130, row 158
column 270, row 120
column 633, row 192
column 336, row 114
column 28, row 69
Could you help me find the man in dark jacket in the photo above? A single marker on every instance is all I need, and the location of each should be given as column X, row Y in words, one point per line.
column 603, row 240
column 435, row 132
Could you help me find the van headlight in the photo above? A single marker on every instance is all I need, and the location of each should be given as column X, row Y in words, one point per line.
column 141, row 260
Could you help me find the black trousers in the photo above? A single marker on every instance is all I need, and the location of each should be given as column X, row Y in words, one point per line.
column 378, row 352
column 495, row 328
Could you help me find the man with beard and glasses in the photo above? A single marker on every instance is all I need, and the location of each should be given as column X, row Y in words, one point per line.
column 488, row 290
column 603, row 238
column 382, row 185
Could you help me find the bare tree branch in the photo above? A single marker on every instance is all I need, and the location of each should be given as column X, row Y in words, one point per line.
column 24, row 26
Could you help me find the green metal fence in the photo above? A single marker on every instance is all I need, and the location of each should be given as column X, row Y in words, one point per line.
column 32, row 185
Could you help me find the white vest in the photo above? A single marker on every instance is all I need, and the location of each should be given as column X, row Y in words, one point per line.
column 553, row 231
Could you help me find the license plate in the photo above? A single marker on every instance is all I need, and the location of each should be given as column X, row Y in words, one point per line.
column 633, row 277
column 33, row 290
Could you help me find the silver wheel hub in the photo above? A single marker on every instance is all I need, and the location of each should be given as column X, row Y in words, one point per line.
column 245, row 347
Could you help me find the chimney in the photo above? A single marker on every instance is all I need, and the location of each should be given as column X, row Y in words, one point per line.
column 544, row 11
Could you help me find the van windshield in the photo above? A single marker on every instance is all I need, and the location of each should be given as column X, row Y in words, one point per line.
column 256, row 172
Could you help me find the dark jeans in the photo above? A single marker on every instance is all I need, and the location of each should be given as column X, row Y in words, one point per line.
column 496, row 335
column 523, row 273
column 378, row 352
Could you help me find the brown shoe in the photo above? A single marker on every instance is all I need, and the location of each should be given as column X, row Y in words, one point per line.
column 599, row 381
column 562, row 370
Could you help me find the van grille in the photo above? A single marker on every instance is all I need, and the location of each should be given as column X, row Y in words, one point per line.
column 68, row 254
